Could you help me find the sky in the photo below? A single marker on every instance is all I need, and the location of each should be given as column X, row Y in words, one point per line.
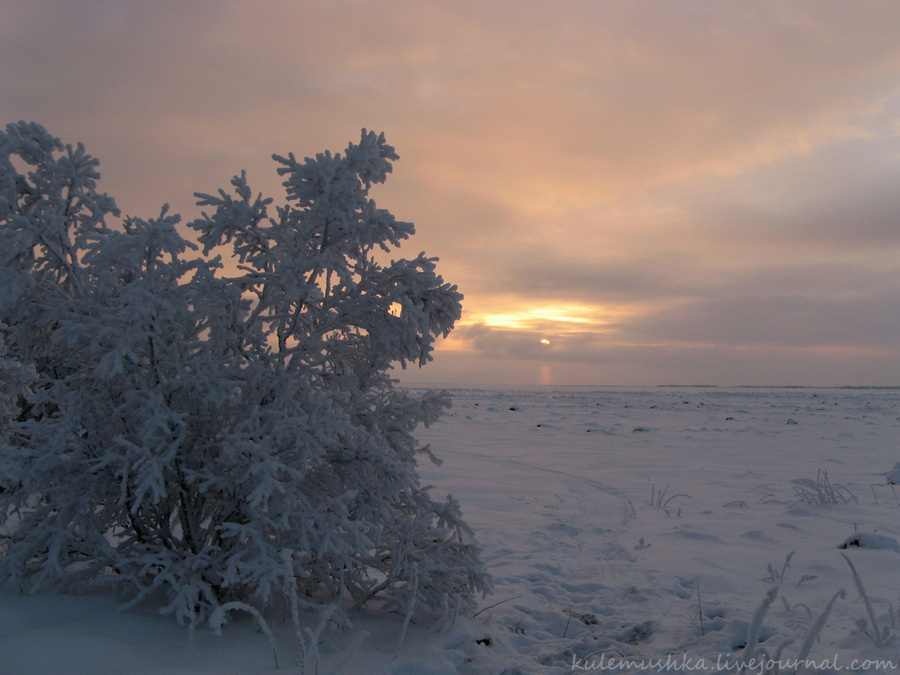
column 626, row 192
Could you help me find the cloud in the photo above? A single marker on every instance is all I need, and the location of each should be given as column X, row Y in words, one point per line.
column 694, row 182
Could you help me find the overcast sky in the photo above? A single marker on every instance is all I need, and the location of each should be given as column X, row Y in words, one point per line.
column 665, row 192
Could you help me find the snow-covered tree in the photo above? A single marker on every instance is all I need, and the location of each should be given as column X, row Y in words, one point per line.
column 231, row 440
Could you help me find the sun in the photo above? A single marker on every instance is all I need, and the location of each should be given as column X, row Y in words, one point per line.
column 545, row 341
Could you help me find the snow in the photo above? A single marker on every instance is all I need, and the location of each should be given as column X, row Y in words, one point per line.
column 612, row 521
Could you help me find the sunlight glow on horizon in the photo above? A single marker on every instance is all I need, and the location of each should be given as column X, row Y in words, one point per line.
column 541, row 316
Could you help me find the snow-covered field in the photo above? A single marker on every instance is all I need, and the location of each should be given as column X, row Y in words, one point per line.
column 627, row 530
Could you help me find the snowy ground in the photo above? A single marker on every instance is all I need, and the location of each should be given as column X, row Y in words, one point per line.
column 627, row 530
